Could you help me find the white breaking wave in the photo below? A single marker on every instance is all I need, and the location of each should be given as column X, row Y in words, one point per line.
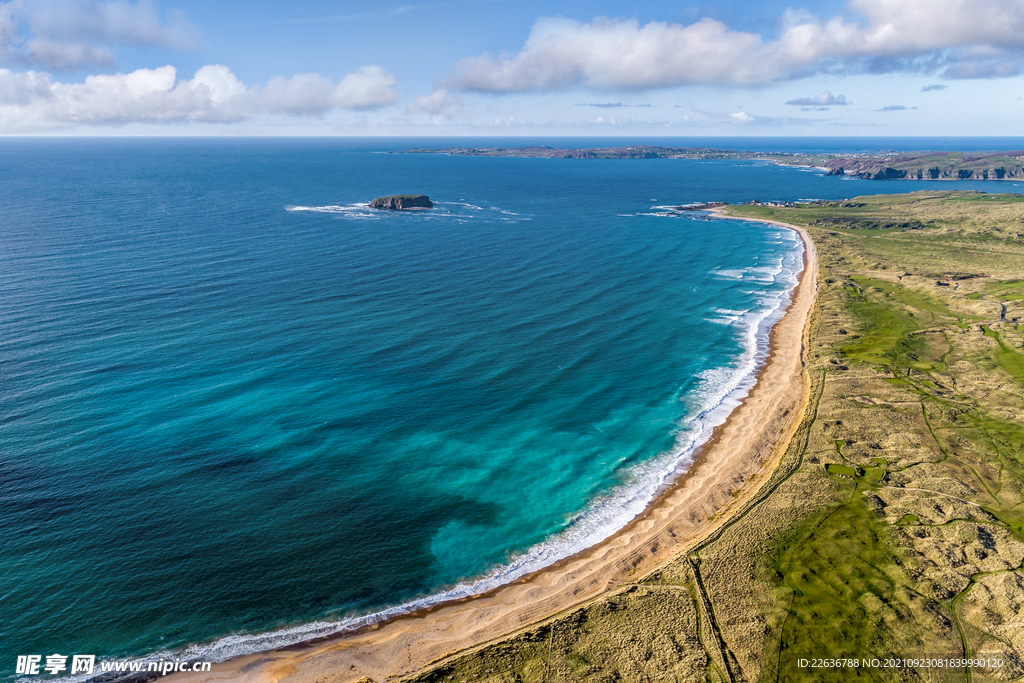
column 727, row 316
column 761, row 274
column 719, row 391
column 457, row 211
column 729, row 274
column 346, row 210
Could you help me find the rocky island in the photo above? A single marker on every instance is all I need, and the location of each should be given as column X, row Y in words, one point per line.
column 397, row 202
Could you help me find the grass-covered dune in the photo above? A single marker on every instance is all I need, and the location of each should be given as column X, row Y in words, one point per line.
column 894, row 524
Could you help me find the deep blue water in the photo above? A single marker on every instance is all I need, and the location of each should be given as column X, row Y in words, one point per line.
column 233, row 400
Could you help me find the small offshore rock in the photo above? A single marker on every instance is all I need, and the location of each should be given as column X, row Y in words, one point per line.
column 402, row 201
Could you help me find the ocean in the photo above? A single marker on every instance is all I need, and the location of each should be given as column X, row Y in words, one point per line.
column 238, row 408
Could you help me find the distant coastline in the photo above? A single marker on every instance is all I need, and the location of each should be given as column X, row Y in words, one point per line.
column 982, row 165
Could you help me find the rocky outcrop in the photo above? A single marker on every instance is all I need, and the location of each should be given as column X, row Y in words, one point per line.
column 397, row 202
column 698, row 207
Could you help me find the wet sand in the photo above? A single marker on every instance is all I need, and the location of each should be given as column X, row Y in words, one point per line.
column 718, row 482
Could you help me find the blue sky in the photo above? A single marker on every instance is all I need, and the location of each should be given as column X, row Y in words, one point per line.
column 493, row 67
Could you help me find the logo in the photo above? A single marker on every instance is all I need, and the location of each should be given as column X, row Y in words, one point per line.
column 57, row 664
column 30, row 665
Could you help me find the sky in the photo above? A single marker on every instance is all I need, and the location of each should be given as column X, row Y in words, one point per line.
column 512, row 68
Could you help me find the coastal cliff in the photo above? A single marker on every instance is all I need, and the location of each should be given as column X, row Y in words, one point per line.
column 398, row 202
column 932, row 166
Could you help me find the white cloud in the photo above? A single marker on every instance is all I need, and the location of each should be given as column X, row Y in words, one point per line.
column 825, row 99
column 610, row 105
column 300, row 94
column 108, row 22
column 956, row 38
column 976, row 64
column 438, row 103
column 65, row 35
column 618, row 53
column 65, row 56
column 909, row 26
column 19, row 90
column 8, row 26
column 33, row 100
column 367, row 88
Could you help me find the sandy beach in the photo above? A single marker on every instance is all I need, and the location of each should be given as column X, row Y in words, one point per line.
column 726, row 472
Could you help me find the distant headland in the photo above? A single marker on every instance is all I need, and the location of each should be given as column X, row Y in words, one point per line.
column 876, row 166
column 632, row 152
column 402, row 201
column 931, row 166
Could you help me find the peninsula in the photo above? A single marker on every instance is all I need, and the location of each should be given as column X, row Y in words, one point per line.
column 630, row 152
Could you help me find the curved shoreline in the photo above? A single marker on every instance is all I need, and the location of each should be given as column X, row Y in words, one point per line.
column 749, row 442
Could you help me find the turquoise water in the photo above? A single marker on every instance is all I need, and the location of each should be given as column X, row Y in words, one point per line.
column 237, row 408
